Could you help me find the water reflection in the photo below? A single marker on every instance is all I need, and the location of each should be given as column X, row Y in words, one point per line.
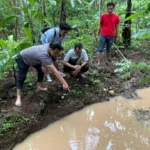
column 114, row 125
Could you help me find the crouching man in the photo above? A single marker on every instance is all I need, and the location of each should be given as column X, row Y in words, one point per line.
column 76, row 61
column 41, row 56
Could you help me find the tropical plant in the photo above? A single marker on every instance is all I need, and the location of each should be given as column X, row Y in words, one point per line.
column 9, row 50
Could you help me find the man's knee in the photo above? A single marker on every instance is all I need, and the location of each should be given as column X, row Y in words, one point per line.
column 101, row 44
column 67, row 69
column 85, row 68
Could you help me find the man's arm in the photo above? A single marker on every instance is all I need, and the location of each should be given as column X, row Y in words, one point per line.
column 83, row 64
column 117, row 31
column 85, row 58
column 100, row 25
column 117, row 34
column 49, row 35
column 59, row 77
column 99, row 29
column 66, row 59
column 69, row 65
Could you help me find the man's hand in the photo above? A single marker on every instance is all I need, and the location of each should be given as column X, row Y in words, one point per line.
column 43, row 69
column 66, row 87
column 76, row 67
column 117, row 40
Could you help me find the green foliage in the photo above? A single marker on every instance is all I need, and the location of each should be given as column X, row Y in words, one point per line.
column 142, row 34
column 97, row 82
column 28, row 33
column 86, row 40
column 7, row 19
column 124, row 66
column 12, row 122
column 30, row 78
column 8, row 52
column 144, row 80
column 127, row 68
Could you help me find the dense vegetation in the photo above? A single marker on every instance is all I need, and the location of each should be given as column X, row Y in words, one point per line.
column 21, row 22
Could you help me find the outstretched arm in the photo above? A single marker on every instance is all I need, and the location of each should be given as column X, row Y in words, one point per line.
column 59, row 77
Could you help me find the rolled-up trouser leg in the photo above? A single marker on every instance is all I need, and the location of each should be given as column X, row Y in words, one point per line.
column 22, row 71
column 40, row 72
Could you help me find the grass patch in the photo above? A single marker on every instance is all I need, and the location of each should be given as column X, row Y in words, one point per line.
column 12, row 122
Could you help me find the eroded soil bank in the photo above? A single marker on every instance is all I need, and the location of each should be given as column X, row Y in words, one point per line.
column 39, row 109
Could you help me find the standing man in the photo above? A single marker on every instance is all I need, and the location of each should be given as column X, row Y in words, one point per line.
column 76, row 61
column 55, row 35
column 108, row 28
column 41, row 56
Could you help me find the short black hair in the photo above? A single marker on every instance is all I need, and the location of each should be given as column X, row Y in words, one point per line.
column 56, row 46
column 64, row 26
column 78, row 45
column 111, row 4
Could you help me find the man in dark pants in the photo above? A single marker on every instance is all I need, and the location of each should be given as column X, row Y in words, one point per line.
column 38, row 57
column 108, row 27
column 75, row 61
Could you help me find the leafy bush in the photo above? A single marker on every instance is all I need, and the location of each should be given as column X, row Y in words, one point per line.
column 8, row 51
column 127, row 68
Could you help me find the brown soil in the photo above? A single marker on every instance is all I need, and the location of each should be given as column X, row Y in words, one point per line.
column 47, row 107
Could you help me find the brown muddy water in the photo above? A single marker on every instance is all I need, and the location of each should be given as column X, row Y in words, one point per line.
column 119, row 124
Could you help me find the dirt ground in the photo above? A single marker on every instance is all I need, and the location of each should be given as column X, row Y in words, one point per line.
column 46, row 107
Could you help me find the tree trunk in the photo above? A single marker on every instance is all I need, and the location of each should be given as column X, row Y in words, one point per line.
column 63, row 12
column 15, row 3
column 42, row 7
column 138, row 18
column 126, row 34
column 100, row 7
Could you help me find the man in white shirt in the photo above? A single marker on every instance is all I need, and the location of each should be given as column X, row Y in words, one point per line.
column 76, row 61
column 54, row 35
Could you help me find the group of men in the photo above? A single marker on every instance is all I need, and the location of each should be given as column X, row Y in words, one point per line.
column 43, row 57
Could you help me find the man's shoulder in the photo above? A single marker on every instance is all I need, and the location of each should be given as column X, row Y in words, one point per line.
column 52, row 30
column 83, row 50
column 115, row 15
column 71, row 50
column 103, row 15
column 41, row 47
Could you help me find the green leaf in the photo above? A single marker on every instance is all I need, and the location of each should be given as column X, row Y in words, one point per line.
column 16, row 8
column 72, row 3
column 144, row 33
column 53, row 2
column 23, row 46
column 25, row 10
column 31, row 2
column 33, row 13
column 134, row 16
column 47, row 21
column 2, row 43
column 2, row 23
column 28, row 33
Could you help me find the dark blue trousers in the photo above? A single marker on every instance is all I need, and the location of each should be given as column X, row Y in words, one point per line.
column 23, row 69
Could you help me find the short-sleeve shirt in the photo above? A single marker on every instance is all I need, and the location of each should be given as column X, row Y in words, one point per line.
column 108, row 24
column 37, row 55
column 50, row 37
column 71, row 56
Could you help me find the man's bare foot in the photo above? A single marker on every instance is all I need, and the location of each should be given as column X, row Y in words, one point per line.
column 18, row 101
column 41, row 88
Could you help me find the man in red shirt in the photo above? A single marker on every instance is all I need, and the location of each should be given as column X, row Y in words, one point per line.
column 108, row 28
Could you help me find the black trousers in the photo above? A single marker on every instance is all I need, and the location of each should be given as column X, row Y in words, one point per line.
column 23, row 69
column 68, row 69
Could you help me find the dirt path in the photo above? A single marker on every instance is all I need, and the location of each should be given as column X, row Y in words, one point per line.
column 40, row 109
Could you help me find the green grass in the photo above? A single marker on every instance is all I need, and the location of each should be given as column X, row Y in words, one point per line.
column 12, row 122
